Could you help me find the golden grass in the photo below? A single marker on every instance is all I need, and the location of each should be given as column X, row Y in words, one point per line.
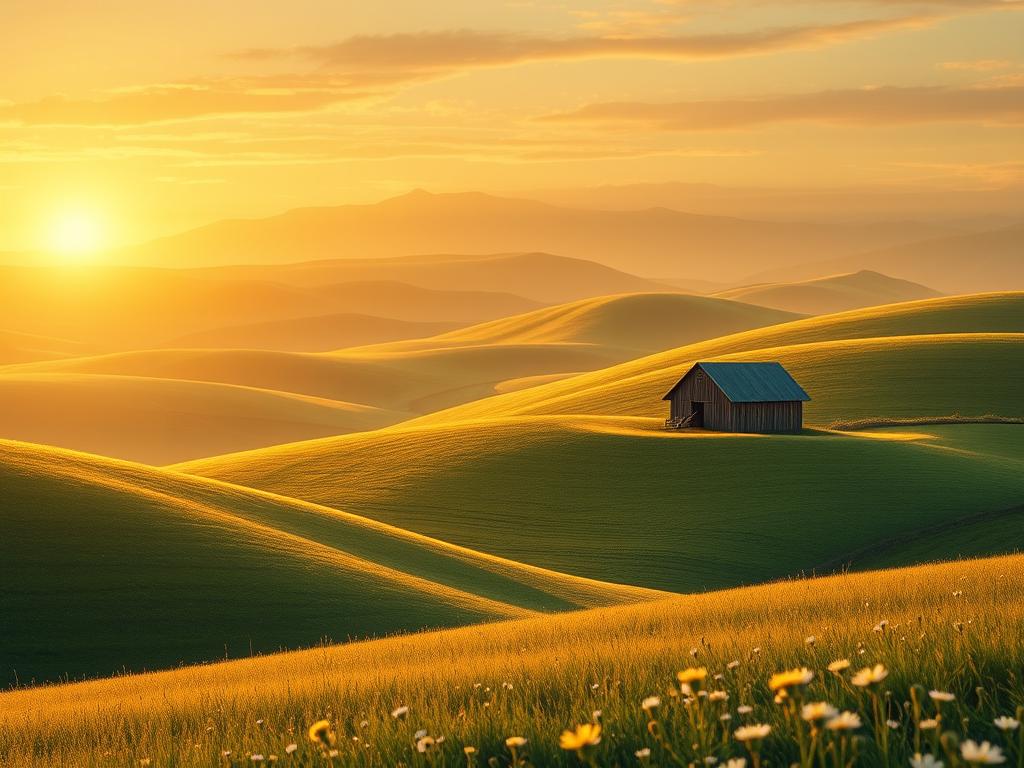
column 956, row 627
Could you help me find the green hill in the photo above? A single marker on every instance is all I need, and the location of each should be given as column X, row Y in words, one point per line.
column 636, row 387
column 621, row 500
column 112, row 565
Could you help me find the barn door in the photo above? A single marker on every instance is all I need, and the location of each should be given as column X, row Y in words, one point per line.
column 697, row 409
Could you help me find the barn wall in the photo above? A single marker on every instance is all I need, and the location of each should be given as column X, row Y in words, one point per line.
column 767, row 417
column 700, row 388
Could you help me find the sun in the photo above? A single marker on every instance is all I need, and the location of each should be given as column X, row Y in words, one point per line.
column 75, row 233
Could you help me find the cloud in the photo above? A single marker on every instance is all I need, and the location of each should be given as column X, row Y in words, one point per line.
column 889, row 105
column 168, row 102
column 456, row 50
column 976, row 65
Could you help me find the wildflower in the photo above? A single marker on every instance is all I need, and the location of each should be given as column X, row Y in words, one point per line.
column 1004, row 723
column 732, row 665
column 320, row 732
column 839, row 665
column 725, row 718
column 145, row 761
column 928, row 725
column 260, row 721
column 333, row 753
column 893, row 724
column 692, row 675
column 744, row 709
column 693, row 652
column 257, row 758
column 586, row 735
column 425, row 744
column 290, row 748
column 818, row 710
column 469, row 750
column 924, row 761
column 941, row 696
column 399, row 712
column 783, row 680
column 710, row 760
column 981, row 754
column 736, row 762
column 644, row 753
column 420, row 733
column 596, row 715
column 651, row 702
column 363, row 723
column 594, row 686
column 718, row 696
column 752, row 732
column 226, row 753
column 810, row 640
column 514, row 742
column 756, row 650
column 845, row 721
column 870, row 676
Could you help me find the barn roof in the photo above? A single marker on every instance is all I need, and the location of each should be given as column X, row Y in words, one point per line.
column 751, row 382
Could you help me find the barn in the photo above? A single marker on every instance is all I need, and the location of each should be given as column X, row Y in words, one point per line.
column 737, row 397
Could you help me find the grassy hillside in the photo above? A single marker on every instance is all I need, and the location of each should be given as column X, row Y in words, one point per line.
column 631, row 324
column 636, row 387
column 952, row 627
column 391, row 382
column 542, row 277
column 836, row 293
column 110, row 565
column 161, row 421
column 621, row 500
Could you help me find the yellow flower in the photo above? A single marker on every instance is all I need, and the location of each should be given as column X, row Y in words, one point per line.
column 469, row 750
column 586, row 735
column 870, row 676
column 846, row 721
column 818, row 710
column 838, row 666
column 1004, row 723
column 941, row 696
column 752, row 732
column 320, row 732
column 982, row 754
column 783, row 680
column 692, row 675
column 514, row 742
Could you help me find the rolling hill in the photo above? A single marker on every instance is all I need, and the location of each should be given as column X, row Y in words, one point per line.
column 151, row 405
column 619, row 499
column 534, row 677
column 962, row 263
column 162, row 421
column 635, row 387
column 828, row 295
column 542, row 277
column 18, row 347
column 117, row 308
column 321, row 333
column 656, row 241
column 144, row 557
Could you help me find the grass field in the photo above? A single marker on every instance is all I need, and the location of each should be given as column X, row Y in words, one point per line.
column 953, row 628
column 636, row 387
column 162, row 568
column 618, row 499
column 161, row 421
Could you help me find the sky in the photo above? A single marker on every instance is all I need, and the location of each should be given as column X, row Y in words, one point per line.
column 122, row 121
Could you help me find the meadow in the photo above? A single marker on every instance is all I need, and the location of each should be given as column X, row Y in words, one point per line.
column 679, row 681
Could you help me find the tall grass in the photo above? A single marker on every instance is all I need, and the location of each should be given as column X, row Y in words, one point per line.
column 955, row 628
column 920, row 421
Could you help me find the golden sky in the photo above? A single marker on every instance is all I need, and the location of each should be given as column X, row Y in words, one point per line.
column 142, row 118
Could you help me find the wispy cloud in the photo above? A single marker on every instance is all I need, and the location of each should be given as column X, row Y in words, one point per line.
column 887, row 105
column 976, row 65
column 456, row 50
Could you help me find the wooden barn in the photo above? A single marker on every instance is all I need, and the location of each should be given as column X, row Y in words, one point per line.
column 737, row 397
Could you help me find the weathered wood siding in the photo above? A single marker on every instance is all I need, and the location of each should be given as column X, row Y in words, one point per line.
column 724, row 416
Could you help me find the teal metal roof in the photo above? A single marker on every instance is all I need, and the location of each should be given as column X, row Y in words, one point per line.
column 752, row 382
